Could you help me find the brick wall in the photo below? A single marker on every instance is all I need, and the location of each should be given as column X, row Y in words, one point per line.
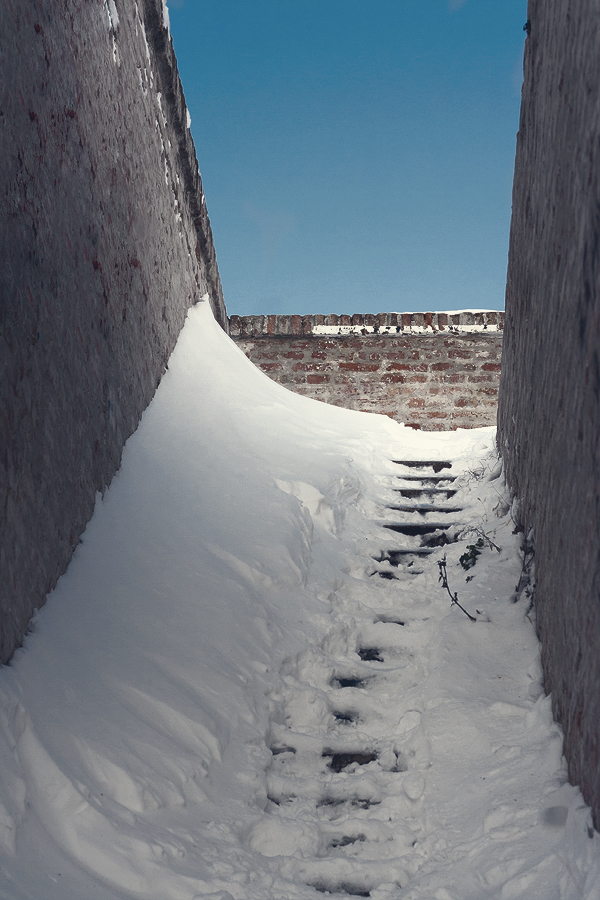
column 105, row 243
column 432, row 371
column 549, row 408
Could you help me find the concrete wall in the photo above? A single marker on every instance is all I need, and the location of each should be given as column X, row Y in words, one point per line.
column 429, row 370
column 105, row 244
column 549, row 410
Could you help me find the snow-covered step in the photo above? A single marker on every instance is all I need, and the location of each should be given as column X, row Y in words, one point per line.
column 370, row 654
column 340, row 760
column 424, row 509
column 427, row 479
column 435, row 464
column 418, row 529
column 399, row 555
column 345, row 682
column 426, row 493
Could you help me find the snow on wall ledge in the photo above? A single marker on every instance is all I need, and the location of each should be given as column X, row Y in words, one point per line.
column 105, row 245
column 432, row 371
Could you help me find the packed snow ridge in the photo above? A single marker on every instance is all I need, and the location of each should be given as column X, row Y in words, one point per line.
column 250, row 684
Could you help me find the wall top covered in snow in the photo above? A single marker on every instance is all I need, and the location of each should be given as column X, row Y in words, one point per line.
column 381, row 323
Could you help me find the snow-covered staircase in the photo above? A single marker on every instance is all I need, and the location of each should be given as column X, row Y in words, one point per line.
column 345, row 782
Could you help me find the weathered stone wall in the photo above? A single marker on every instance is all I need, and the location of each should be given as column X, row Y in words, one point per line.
column 549, row 411
column 105, row 244
column 428, row 370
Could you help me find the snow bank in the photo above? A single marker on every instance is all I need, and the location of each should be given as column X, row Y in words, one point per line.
column 223, row 577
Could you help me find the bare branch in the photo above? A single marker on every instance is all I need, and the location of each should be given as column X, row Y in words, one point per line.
column 444, row 582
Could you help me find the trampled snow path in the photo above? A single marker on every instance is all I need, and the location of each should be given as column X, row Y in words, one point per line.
column 376, row 783
column 249, row 684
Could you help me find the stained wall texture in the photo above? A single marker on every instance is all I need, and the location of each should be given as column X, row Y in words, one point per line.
column 549, row 405
column 105, row 244
column 431, row 371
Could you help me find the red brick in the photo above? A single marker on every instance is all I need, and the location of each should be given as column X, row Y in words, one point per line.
column 455, row 378
column 270, row 367
column 294, row 354
column 440, row 366
column 359, row 367
column 408, row 367
column 416, row 378
column 417, row 403
column 491, row 367
column 455, row 353
column 309, row 367
column 318, row 354
column 389, row 378
column 313, row 378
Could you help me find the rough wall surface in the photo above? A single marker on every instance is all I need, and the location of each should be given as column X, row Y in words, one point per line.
column 549, row 407
column 105, row 244
column 429, row 370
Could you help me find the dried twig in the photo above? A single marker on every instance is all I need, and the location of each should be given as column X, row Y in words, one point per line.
column 482, row 535
column 444, row 582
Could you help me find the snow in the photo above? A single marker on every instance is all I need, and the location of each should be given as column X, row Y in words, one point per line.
column 342, row 330
column 165, row 17
column 113, row 15
column 190, row 716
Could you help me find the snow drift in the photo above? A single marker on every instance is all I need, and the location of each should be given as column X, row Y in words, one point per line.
column 222, row 698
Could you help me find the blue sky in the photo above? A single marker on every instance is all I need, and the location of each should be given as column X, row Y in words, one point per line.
column 357, row 155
